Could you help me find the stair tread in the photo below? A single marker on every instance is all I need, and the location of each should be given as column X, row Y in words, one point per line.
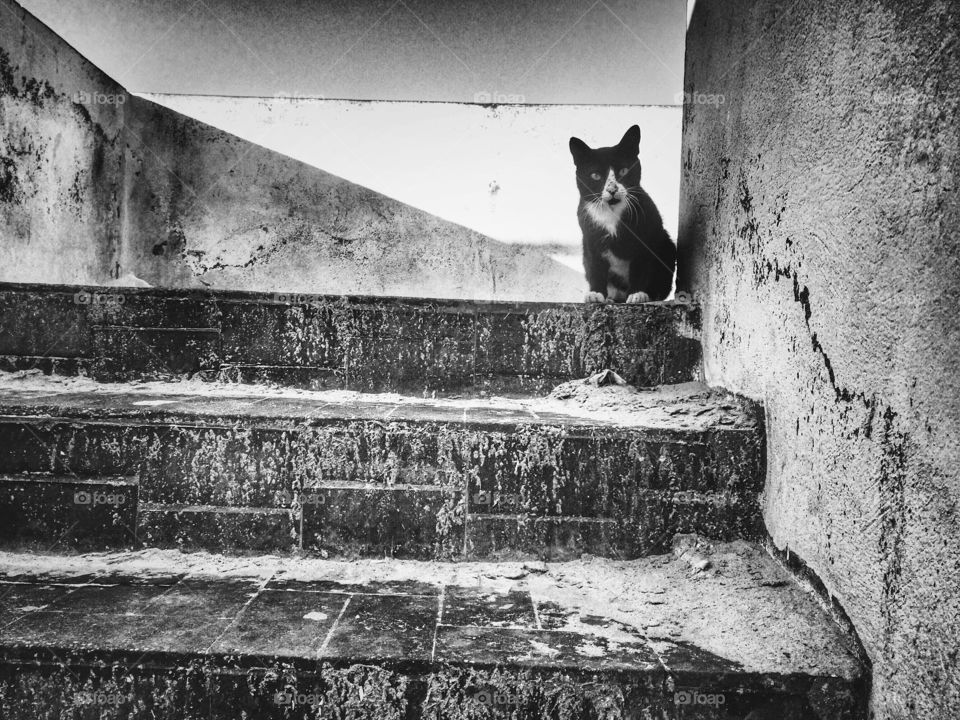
column 686, row 407
column 742, row 618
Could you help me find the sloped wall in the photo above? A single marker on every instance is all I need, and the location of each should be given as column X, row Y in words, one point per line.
column 502, row 170
column 61, row 157
column 206, row 206
column 819, row 227
column 97, row 185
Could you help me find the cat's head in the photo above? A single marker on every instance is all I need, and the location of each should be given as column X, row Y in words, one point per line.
column 606, row 174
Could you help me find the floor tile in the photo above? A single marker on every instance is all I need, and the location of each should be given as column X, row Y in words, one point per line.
column 473, row 606
column 282, row 623
column 378, row 627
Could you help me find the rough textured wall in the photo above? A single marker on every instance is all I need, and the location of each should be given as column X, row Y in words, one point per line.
column 204, row 206
column 819, row 226
column 96, row 185
column 61, row 157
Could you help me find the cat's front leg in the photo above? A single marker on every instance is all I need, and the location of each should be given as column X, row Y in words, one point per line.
column 596, row 269
column 638, row 297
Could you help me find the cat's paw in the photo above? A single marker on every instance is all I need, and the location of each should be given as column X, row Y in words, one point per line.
column 638, row 297
column 594, row 297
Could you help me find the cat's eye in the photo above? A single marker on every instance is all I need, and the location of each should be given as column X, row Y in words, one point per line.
column 621, row 172
column 594, row 176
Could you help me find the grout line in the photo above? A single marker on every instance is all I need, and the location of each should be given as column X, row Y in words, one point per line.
column 336, row 623
column 300, row 530
column 391, row 412
column 476, row 346
column 39, row 608
column 536, row 612
column 313, row 413
column 436, row 628
column 258, row 400
column 240, row 612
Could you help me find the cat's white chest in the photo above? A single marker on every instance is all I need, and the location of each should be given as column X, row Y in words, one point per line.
column 606, row 217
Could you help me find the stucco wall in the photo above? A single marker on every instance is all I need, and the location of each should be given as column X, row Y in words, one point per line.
column 96, row 184
column 819, row 227
column 61, row 157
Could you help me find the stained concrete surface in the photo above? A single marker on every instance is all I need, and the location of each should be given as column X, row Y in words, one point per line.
column 61, row 158
column 349, row 474
column 820, row 232
column 636, row 631
column 412, row 345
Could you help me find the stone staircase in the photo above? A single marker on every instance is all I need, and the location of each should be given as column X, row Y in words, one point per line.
column 236, row 505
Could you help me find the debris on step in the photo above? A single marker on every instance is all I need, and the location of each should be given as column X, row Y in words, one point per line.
column 128, row 280
column 510, row 571
column 535, row 566
column 692, row 548
column 606, row 377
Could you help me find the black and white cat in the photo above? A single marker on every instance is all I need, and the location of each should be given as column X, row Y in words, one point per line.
column 627, row 255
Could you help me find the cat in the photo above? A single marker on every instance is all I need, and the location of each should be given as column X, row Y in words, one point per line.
column 627, row 254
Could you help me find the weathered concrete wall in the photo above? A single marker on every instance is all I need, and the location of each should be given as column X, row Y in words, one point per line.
column 96, row 185
column 61, row 157
column 819, row 226
column 204, row 206
column 502, row 170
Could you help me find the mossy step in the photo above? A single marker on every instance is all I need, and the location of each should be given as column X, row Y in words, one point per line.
column 376, row 344
column 354, row 475
column 167, row 635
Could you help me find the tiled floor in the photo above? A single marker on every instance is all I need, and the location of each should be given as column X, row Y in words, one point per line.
column 400, row 621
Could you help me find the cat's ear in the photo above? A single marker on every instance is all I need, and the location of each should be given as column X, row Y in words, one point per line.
column 631, row 140
column 579, row 149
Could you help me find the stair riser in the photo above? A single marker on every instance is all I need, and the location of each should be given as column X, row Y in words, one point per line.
column 363, row 344
column 409, row 489
column 81, row 515
column 208, row 691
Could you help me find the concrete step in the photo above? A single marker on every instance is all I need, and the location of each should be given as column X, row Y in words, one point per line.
column 359, row 343
column 611, row 471
column 157, row 635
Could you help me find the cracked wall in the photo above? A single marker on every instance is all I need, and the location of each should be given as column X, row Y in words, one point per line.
column 819, row 220
column 99, row 185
